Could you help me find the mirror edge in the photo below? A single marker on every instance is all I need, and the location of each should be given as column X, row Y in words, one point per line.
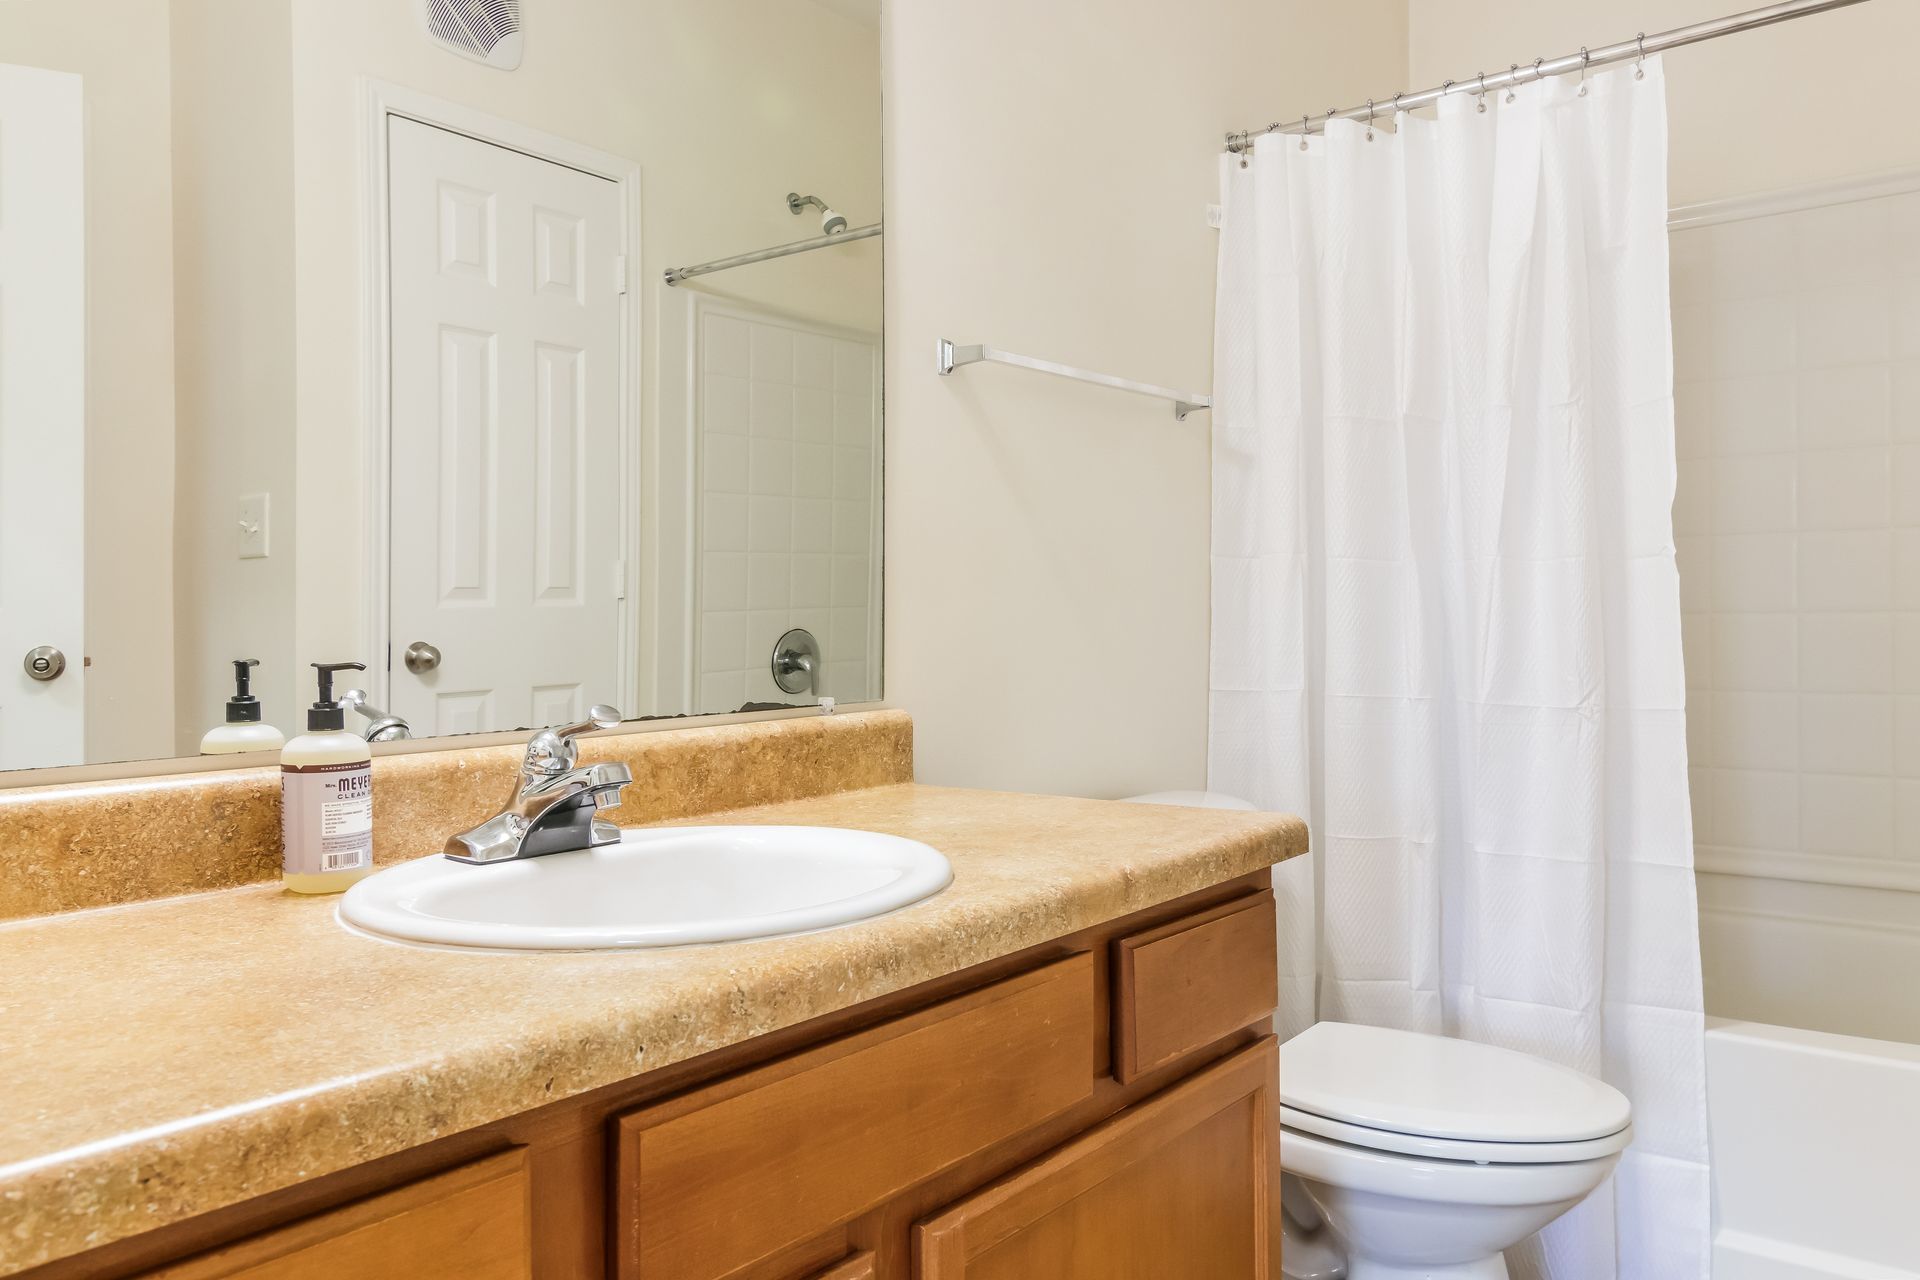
column 180, row 766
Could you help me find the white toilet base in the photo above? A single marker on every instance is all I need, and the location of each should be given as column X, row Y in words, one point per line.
column 1406, row 1218
column 1358, row 1268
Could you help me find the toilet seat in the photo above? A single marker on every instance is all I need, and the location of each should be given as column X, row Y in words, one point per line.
column 1439, row 1098
column 1437, row 1182
column 1410, row 1144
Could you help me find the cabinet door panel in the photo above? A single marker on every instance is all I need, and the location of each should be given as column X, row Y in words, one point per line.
column 1184, row 1184
column 469, row 1223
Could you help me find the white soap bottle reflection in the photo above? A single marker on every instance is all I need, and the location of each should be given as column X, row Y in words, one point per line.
column 243, row 730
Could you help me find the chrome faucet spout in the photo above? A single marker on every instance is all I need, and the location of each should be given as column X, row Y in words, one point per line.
column 553, row 803
column 382, row 726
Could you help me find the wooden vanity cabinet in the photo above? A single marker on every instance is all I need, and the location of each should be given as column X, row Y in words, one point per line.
column 1098, row 1108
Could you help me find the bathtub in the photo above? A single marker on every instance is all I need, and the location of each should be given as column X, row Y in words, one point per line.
column 1816, row 1153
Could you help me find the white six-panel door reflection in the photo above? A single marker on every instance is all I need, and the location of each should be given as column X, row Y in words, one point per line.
column 42, row 414
column 506, row 531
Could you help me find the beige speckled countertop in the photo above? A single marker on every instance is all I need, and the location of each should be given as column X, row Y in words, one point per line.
column 167, row 1058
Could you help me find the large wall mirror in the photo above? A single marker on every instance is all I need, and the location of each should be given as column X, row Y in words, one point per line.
column 526, row 351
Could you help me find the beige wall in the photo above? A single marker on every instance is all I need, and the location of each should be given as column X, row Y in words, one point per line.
column 119, row 48
column 233, row 339
column 1818, row 98
column 1048, row 168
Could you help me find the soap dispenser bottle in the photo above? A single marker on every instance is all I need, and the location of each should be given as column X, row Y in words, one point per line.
column 243, row 730
column 326, row 797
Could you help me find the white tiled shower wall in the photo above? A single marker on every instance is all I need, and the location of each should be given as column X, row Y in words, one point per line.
column 1797, row 519
column 788, row 506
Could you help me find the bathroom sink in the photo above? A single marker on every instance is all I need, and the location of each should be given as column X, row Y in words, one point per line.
column 658, row 887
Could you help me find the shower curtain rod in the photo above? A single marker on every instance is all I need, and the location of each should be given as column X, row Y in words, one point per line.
column 674, row 275
column 1521, row 73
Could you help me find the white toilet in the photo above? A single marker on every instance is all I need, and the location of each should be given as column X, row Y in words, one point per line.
column 1430, row 1156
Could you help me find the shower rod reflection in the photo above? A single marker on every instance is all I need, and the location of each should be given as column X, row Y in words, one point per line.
column 674, row 275
column 1524, row 73
column 948, row 356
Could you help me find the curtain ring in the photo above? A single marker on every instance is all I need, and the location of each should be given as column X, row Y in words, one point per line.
column 1396, row 103
column 1480, row 98
column 1369, row 119
column 1304, row 127
column 1640, row 63
column 1585, row 58
column 1513, row 79
column 1538, row 74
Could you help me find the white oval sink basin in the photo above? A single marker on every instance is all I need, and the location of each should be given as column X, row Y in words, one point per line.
column 659, row 887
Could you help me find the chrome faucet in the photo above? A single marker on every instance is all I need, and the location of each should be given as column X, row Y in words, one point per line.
column 553, row 804
column 382, row 726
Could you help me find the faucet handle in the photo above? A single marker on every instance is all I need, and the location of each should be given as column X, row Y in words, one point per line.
column 554, row 751
column 599, row 716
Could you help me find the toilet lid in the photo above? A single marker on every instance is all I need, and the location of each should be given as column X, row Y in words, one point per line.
column 1192, row 799
column 1438, row 1087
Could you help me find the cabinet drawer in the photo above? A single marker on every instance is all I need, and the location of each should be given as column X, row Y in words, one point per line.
column 469, row 1223
column 1192, row 981
column 733, row 1173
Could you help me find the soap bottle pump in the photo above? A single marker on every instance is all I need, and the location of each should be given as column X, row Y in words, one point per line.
column 243, row 730
column 326, row 797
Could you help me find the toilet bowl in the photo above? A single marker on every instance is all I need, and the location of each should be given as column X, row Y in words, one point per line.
column 1428, row 1156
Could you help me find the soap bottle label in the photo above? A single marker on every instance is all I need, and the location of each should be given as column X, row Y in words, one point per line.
column 326, row 817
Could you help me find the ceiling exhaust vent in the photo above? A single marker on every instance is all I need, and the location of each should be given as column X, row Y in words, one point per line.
column 485, row 30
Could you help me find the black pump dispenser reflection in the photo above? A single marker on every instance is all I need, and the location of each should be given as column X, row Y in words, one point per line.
column 243, row 707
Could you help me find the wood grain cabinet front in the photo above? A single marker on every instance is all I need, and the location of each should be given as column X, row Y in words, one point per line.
column 1191, row 982
column 734, row 1173
column 469, row 1223
column 1185, row 1184
column 859, row 1266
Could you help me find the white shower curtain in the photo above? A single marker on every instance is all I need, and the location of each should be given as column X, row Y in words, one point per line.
column 1446, row 616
